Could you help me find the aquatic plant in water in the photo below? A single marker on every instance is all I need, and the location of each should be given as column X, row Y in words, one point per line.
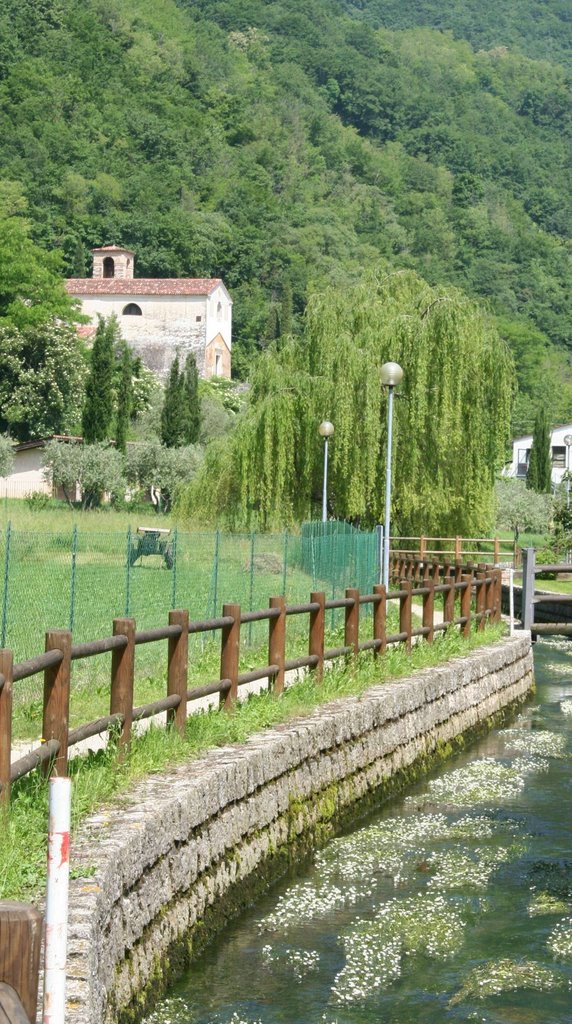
column 560, row 940
column 375, row 949
column 546, row 903
column 535, row 741
column 459, row 868
column 487, row 781
column 299, row 961
column 566, row 707
column 495, row 977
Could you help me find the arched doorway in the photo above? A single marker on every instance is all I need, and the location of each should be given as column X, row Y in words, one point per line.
column 109, row 267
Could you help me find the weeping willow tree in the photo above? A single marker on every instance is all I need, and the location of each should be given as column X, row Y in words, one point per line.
column 451, row 420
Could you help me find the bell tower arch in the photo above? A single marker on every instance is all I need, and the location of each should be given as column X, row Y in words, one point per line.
column 113, row 261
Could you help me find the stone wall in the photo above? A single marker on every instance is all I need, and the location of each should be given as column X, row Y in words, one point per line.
column 186, row 851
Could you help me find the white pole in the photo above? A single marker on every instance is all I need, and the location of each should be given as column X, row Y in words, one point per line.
column 57, row 901
column 386, row 525
column 325, row 487
column 511, row 599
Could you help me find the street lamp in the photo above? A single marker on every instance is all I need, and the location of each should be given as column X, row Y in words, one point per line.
column 391, row 376
column 568, row 443
column 326, row 429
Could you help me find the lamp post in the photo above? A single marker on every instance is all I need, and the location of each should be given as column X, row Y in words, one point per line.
column 325, row 430
column 391, row 376
column 568, row 443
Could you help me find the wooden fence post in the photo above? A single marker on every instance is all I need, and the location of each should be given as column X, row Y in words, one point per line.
column 178, row 668
column 490, row 598
column 481, row 597
column 316, row 635
column 380, row 619
column 422, row 548
column 230, row 655
column 6, row 666
column 498, row 594
column 466, row 597
column 277, row 642
column 436, row 571
column 122, row 677
column 458, row 549
column 351, row 631
column 429, row 610
column 405, row 612
column 57, row 699
column 20, row 941
column 449, row 600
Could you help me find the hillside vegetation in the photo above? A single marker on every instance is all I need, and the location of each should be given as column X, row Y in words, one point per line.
column 287, row 147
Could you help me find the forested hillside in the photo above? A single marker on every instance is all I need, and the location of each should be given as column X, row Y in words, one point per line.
column 285, row 147
column 542, row 30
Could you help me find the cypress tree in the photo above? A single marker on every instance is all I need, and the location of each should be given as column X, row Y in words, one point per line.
column 98, row 409
column 173, row 415
column 192, row 405
column 539, row 476
column 124, row 397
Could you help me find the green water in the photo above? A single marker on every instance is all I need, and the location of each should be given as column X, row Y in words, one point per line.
column 452, row 904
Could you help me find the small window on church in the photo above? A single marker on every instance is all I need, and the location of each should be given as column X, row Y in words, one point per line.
column 132, row 309
column 219, row 308
column 198, row 319
column 109, row 267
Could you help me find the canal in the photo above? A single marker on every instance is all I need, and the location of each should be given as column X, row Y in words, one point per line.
column 454, row 903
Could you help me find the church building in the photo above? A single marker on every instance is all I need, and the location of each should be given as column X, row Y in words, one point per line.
column 160, row 318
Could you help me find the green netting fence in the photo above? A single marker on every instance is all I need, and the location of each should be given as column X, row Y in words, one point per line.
column 82, row 580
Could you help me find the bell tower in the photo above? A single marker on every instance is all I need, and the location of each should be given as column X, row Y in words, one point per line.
column 113, row 261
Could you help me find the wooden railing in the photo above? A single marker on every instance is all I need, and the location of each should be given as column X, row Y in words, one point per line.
column 450, row 583
column 458, row 549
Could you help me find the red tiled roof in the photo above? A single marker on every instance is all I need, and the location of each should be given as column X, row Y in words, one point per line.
column 142, row 285
column 86, row 330
column 112, row 248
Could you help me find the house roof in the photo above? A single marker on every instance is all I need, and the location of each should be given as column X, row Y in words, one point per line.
column 113, row 248
column 41, row 442
column 142, row 285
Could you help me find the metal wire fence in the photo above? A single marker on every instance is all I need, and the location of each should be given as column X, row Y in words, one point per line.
column 82, row 580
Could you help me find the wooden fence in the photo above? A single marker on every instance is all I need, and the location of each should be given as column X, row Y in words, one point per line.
column 458, row 549
column 456, row 584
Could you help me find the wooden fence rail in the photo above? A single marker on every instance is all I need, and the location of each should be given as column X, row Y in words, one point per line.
column 455, row 584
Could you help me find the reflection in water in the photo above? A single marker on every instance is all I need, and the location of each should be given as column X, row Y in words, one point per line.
column 454, row 904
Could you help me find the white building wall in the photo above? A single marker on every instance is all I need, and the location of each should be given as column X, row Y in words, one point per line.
column 561, row 454
column 27, row 475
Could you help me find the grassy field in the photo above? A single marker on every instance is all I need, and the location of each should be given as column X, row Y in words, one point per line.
column 56, row 578
column 98, row 779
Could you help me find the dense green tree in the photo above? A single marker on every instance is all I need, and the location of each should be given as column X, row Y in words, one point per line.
column 6, row 455
column 191, row 401
column 450, row 431
column 279, row 143
column 42, row 380
column 31, row 286
column 181, row 412
column 124, row 396
column 97, row 418
column 539, row 476
column 173, row 418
